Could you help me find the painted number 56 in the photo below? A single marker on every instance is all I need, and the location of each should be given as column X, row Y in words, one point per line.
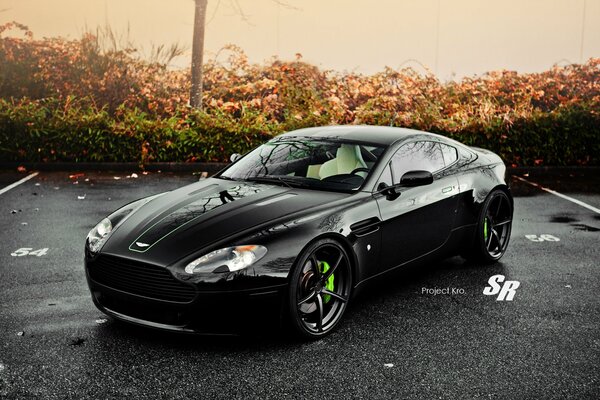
column 543, row 238
column 28, row 251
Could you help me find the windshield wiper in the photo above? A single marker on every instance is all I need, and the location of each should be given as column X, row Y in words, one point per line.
column 226, row 178
column 286, row 180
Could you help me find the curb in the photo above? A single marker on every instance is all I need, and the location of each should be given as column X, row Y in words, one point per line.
column 553, row 171
column 211, row 168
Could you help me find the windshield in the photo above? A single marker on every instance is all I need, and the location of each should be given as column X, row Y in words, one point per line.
column 304, row 162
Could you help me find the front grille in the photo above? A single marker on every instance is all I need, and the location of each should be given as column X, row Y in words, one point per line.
column 139, row 278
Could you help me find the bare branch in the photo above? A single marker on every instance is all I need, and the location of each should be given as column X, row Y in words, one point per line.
column 214, row 13
column 236, row 5
column 285, row 4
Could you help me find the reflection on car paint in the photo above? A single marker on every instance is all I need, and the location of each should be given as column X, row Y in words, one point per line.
column 190, row 212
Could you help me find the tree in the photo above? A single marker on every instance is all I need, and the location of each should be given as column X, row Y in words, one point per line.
column 197, row 53
column 198, row 46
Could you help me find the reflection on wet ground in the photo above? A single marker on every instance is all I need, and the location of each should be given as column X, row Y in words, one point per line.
column 584, row 227
column 563, row 219
column 574, row 222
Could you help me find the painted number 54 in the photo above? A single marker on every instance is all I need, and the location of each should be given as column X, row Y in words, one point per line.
column 28, row 251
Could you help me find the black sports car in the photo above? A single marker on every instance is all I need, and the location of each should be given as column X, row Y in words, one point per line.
column 291, row 230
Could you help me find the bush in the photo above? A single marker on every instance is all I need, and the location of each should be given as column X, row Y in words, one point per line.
column 76, row 100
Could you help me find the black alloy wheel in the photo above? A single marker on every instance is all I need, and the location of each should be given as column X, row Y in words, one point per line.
column 320, row 289
column 493, row 228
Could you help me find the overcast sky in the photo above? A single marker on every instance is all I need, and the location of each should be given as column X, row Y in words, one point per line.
column 452, row 38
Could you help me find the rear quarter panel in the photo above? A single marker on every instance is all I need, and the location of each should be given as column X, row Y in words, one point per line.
column 476, row 181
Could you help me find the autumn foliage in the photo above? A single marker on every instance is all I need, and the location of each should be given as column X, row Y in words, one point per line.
column 74, row 100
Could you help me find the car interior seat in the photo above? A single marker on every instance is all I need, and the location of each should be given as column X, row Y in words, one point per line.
column 347, row 159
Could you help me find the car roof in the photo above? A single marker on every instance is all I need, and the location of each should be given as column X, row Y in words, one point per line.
column 383, row 135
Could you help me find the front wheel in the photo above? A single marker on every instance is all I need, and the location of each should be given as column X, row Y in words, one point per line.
column 320, row 288
column 493, row 229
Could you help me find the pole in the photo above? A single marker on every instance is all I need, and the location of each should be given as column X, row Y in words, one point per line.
column 197, row 53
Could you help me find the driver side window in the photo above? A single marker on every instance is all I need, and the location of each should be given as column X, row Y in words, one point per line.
column 422, row 155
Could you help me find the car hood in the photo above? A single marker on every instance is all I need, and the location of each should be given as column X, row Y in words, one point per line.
column 184, row 221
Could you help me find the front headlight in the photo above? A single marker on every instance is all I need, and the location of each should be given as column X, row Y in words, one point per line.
column 98, row 235
column 228, row 259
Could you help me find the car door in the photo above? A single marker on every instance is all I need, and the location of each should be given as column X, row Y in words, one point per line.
column 420, row 220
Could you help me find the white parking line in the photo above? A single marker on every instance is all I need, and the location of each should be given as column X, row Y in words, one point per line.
column 17, row 183
column 562, row 196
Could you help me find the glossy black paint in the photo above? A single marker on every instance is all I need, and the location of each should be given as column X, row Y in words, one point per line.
column 379, row 233
column 416, row 178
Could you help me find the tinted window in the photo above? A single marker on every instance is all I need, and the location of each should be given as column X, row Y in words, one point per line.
column 449, row 153
column 426, row 156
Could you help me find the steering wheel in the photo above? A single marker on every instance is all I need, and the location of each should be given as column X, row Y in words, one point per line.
column 360, row 169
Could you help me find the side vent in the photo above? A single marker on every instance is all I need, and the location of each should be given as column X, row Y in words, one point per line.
column 365, row 227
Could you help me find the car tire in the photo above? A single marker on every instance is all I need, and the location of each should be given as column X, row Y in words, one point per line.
column 320, row 288
column 493, row 229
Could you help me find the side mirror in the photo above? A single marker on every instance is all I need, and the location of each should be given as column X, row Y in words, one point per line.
column 409, row 179
column 234, row 157
column 416, row 178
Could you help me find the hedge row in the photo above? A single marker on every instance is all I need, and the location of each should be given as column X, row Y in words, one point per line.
column 46, row 131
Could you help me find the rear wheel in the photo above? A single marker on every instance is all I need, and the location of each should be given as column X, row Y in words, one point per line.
column 319, row 289
column 493, row 229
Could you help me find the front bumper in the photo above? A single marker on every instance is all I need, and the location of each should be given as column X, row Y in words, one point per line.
column 210, row 312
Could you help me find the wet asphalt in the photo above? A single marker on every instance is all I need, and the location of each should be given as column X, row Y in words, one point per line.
column 397, row 340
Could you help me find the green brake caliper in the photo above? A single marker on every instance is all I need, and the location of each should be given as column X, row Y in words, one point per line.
column 485, row 229
column 324, row 267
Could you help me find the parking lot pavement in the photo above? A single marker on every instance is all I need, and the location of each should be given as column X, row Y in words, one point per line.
column 398, row 339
